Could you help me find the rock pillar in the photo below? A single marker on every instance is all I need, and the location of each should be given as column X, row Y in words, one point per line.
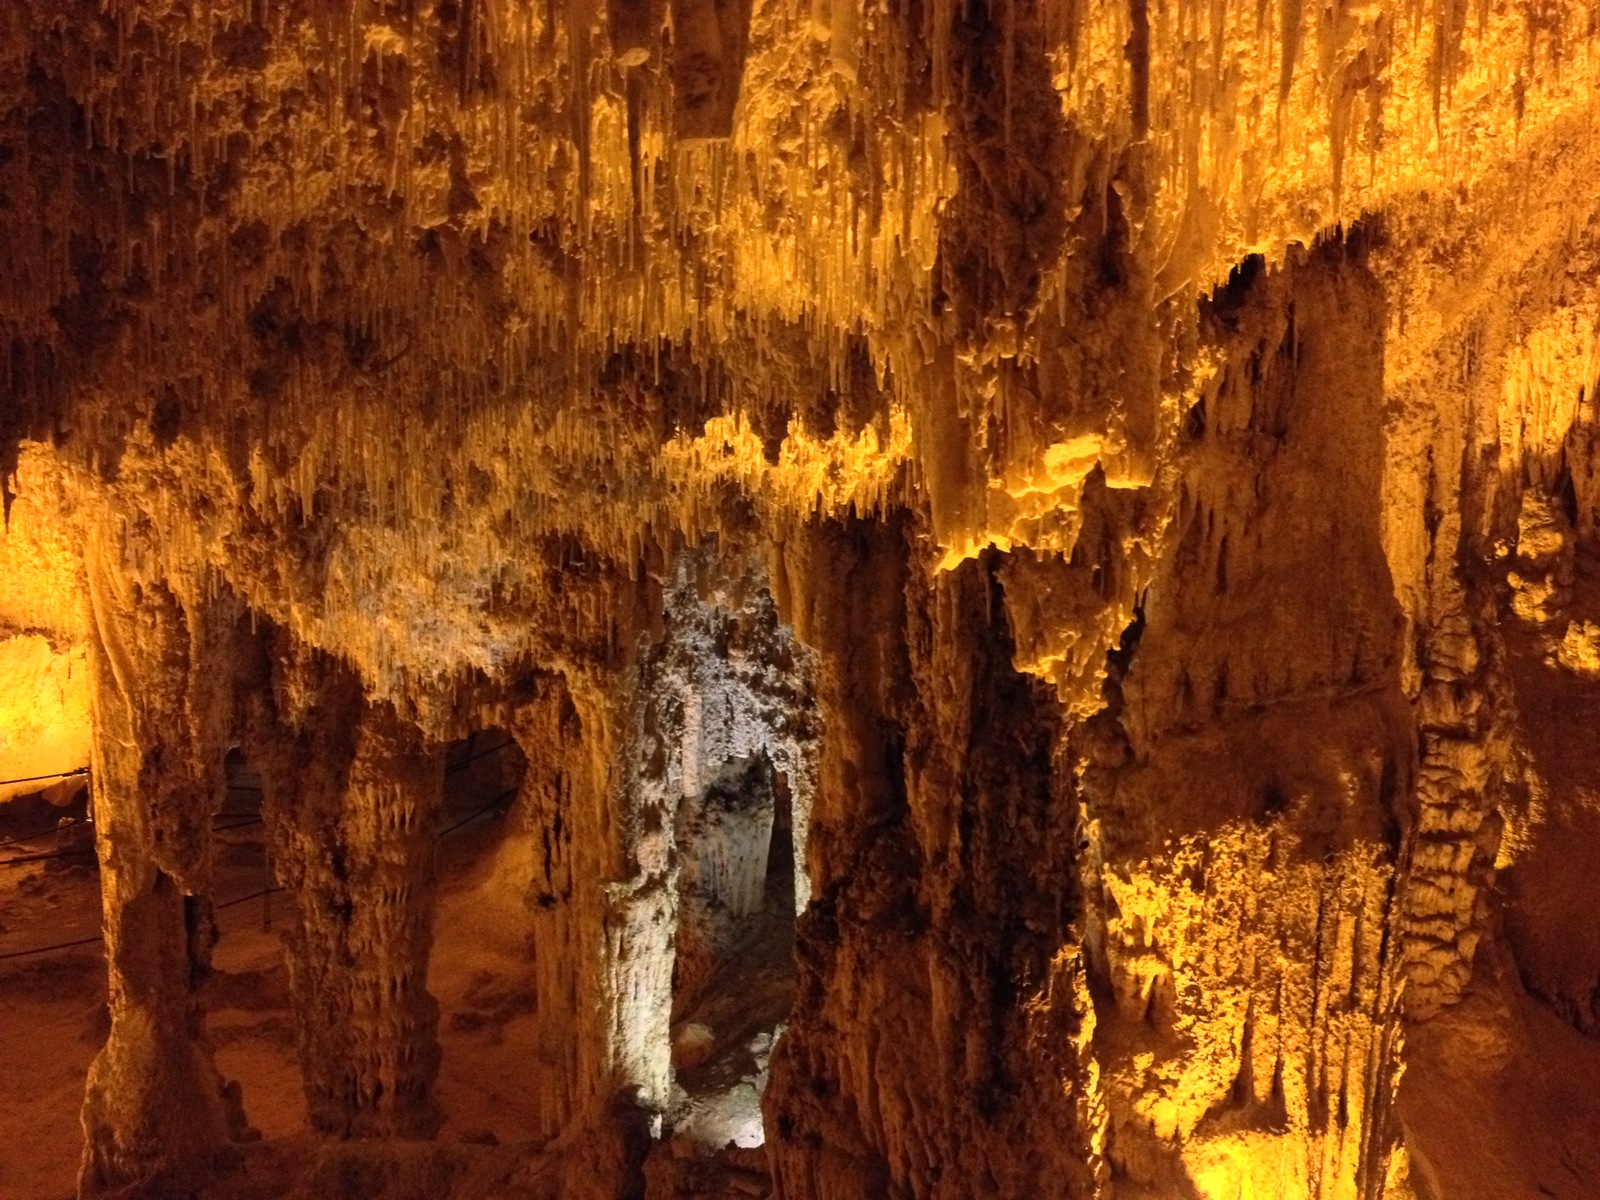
column 155, row 1107
column 636, row 905
column 940, row 1024
column 352, row 799
column 601, row 923
column 1250, row 786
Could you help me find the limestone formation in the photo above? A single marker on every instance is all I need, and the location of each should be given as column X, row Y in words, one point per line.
column 826, row 599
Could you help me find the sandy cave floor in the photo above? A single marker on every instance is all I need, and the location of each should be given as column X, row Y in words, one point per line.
column 52, row 1005
column 56, row 1004
column 52, row 1021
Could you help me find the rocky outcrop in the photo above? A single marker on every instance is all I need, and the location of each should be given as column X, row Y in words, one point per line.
column 353, row 818
column 1246, row 818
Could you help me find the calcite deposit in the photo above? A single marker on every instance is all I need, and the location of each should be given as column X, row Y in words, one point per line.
column 834, row 599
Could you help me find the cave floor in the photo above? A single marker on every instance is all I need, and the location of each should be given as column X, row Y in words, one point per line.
column 54, row 1004
column 52, row 1015
column 52, row 1011
column 741, row 1013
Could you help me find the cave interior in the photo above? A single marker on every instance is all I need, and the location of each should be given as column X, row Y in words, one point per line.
column 813, row 599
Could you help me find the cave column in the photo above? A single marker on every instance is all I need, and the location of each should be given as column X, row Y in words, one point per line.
column 602, row 920
column 390, row 1022
column 567, row 1061
column 368, row 1024
column 601, row 905
column 636, row 906
column 353, row 796
column 1248, row 798
column 154, row 1105
column 843, row 589
column 940, row 1019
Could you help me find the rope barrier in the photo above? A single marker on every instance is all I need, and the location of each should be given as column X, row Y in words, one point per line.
column 248, row 787
column 90, row 941
column 76, row 771
column 472, row 758
column 53, row 831
column 467, row 820
column 232, row 787
column 492, row 804
column 57, row 830
column 22, row 859
column 252, row 896
column 57, row 946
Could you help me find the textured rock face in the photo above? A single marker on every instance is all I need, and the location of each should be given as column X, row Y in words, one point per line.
column 1243, row 872
column 1081, row 517
column 359, row 857
column 156, row 1106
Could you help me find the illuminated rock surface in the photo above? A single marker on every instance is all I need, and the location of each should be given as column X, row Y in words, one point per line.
column 827, row 599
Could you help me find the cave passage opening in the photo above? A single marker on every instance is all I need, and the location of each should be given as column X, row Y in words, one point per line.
column 250, row 1017
column 478, row 970
column 733, row 975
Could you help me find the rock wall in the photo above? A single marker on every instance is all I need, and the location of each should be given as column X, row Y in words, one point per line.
column 1246, row 834
column 942, row 999
column 156, row 1109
